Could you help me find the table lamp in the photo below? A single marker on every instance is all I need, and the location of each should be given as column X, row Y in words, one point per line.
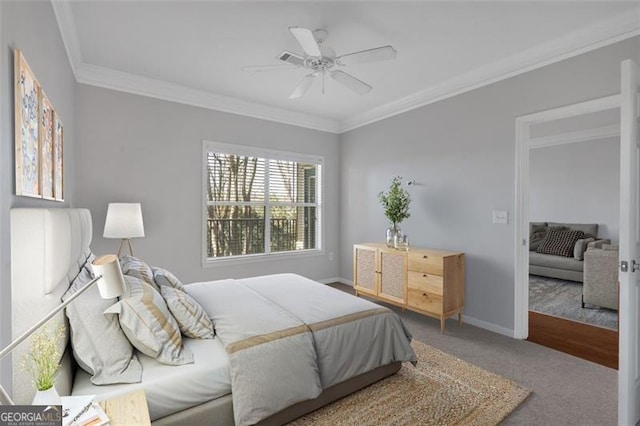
column 110, row 280
column 124, row 220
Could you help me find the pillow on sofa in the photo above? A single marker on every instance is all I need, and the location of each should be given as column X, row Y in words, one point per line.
column 560, row 242
column 99, row 345
column 148, row 324
column 589, row 229
column 581, row 247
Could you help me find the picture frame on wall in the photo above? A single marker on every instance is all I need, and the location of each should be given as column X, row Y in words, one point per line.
column 47, row 162
column 39, row 137
column 27, row 129
column 58, row 156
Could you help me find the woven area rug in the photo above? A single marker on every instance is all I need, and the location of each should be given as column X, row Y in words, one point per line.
column 562, row 298
column 441, row 390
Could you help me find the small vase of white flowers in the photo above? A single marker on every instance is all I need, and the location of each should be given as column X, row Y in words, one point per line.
column 42, row 363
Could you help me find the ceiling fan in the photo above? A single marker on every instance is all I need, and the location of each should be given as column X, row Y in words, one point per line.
column 321, row 60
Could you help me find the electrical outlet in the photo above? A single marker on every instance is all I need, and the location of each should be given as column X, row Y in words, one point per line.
column 501, row 217
column 330, row 256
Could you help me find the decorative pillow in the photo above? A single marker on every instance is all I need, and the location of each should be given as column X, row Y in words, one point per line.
column 162, row 277
column 135, row 267
column 99, row 345
column 560, row 243
column 192, row 319
column 147, row 322
column 538, row 232
column 581, row 247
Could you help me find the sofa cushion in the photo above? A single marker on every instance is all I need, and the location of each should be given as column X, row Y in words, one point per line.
column 560, row 243
column 589, row 229
column 581, row 247
column 556, row 262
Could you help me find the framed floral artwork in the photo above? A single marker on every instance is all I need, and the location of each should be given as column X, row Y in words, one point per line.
column 47, row 164
column 58, row 164
column 27, row 128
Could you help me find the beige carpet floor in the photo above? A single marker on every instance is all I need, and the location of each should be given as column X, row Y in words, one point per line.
column 441, row 390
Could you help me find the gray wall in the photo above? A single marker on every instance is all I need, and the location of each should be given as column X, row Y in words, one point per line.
column 577, row 183
column 461, row 152
column 138, row 149
column 32, row 28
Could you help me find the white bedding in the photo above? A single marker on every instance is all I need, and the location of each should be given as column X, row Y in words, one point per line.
column 168, row 388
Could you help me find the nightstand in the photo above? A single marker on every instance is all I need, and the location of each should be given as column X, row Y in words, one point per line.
column 128, row 409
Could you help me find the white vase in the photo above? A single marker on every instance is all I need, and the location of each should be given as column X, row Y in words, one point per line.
column 47, row 397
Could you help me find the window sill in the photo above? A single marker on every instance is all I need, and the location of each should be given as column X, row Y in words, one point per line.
column 257, row 258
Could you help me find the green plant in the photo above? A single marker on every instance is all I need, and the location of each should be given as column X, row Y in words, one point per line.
column 42, row 361
column 395, row 202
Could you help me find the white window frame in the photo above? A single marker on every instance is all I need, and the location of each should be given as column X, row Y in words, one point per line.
column 245, row 150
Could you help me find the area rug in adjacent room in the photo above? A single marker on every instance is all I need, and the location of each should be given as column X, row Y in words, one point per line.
column 562, row 298
column 441, row 390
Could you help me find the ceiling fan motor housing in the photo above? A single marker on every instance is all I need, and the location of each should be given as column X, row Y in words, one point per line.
column 320, row 63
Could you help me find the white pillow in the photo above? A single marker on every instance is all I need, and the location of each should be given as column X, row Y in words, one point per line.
column 99, row 345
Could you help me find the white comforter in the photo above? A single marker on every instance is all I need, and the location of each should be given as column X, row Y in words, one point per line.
column 288, row 338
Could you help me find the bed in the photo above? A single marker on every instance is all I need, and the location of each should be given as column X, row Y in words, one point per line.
column 285, row 345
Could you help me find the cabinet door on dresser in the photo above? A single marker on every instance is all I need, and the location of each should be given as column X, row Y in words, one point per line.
column 392, row 268
column 365, row 267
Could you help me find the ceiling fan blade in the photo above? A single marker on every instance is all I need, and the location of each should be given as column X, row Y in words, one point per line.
column 291, row 58
column 302, row 88
column 307, row 40
column 360, row 87
column 263, row 68
column 383, row 53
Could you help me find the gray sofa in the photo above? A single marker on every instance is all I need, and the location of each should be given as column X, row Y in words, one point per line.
column 566, row 268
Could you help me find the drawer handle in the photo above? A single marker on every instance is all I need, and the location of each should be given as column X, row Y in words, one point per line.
column 425, row 257
column 424, row 275
column 424, row 294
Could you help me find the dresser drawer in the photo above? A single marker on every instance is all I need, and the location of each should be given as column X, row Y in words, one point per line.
column 424, row 301
column 426, row 262
column 426, row 282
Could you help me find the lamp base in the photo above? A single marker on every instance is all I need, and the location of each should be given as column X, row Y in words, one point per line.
column 122, row 244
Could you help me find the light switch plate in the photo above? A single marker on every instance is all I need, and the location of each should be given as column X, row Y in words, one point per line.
column 501, row 217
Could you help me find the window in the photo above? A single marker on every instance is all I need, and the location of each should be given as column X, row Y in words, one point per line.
column 260, row 202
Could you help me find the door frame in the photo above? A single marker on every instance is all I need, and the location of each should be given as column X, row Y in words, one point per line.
column 524, row 144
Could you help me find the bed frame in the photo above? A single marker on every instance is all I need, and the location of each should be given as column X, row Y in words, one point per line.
column 48, row 248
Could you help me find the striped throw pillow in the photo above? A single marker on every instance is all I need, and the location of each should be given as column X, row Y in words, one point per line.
column 135, row 267
column 192, row 319
column 162, row 277
column 148, row 324
column 560, row 242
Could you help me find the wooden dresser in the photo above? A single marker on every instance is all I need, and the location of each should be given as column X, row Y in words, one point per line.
column 427, row 281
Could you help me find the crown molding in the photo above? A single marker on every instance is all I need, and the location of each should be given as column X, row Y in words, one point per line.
column 618, row 28
column 144, row 86
column 139, row 85
column 67, row 25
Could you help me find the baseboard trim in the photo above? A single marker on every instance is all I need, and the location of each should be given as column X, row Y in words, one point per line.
column 336, row 280
column 488, row 326
column 465, row 318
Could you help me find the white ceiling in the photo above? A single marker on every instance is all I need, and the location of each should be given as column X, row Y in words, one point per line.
column 192, row 52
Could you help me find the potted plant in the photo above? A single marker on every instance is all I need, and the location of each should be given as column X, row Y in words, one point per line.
column 42, row 363
column 396, row 209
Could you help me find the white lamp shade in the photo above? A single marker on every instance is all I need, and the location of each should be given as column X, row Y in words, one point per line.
column 112, row 282
column 124, row 220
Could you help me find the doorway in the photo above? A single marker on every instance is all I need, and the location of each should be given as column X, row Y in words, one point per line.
column 557, row 129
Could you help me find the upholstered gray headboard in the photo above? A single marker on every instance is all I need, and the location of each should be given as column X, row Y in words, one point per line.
column 48, row 248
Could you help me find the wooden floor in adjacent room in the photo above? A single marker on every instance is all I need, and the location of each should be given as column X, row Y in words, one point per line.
column 596, row 344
